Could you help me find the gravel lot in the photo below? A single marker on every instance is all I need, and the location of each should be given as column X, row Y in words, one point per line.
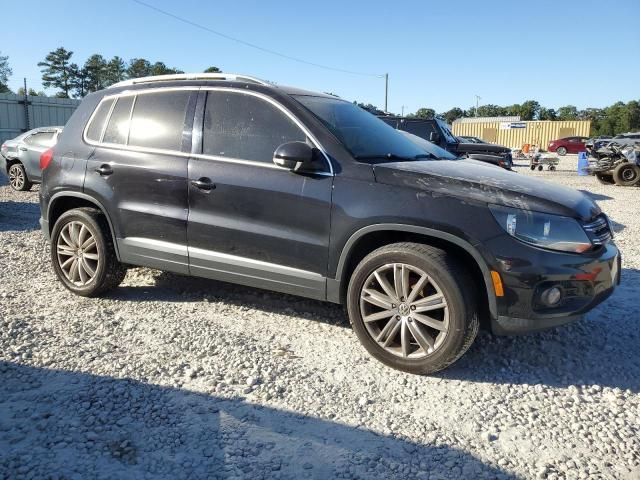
column 175, row 377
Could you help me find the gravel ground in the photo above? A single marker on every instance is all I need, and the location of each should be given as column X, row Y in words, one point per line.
column 175, row 377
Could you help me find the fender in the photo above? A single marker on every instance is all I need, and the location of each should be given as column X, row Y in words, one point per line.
column 88, row 198
column 333, row 285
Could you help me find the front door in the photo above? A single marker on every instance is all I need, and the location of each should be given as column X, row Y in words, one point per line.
column 252, row 222
column 139, row 172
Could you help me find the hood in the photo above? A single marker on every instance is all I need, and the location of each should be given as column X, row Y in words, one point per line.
column 473, row 181
column 481, row 148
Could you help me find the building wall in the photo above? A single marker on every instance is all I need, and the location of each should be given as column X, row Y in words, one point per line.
column 535, row 133
column 40, row 112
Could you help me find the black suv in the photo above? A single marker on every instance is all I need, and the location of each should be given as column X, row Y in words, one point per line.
column 235, row 179
column 437, row 132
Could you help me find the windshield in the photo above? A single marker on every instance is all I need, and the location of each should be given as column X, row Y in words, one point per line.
column 431, row 148
column 365, row 136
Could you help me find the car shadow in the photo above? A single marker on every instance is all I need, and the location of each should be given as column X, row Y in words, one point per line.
column 598, row 350
column 19, row 216
column 69, row 424
column 601, row 349
column 596, row 196
column 170, row 287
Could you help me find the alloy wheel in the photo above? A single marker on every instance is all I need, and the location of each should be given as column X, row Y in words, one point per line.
column 404, row 310
column 16, row 177
column 77, row 253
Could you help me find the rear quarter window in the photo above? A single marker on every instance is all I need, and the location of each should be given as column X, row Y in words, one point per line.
column 118, row 127
column 96, row 124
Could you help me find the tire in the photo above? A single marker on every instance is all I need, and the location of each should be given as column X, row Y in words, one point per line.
column 562, row 151
column 533, row 167
column 76, row 227
column 540, row 167
column 18, row 179
column 457, row 321
column 604, row 179
column 626, row 174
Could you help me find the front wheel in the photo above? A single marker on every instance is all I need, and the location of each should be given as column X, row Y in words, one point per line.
column 562, row 151
column 626, row 174
column 604, row 179
column 18, row 178
column 83, row 254
column 413, row 307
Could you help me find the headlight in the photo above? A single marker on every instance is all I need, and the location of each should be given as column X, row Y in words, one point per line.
column 542, row 230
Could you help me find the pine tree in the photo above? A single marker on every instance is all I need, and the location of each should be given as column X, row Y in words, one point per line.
column 57, row 72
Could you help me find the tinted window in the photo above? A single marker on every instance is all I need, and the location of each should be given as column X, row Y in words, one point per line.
column 367, row 137
column 43, row 139
column 97, row 122
column 118, row 127
column 246, row 127
column 158, row 120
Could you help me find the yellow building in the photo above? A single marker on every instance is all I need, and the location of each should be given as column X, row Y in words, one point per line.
column 514, row 134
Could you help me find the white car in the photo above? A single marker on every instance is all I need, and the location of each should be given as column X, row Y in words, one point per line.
column 20, row 157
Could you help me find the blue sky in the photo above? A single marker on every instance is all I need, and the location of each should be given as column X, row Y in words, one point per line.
column 437, row 54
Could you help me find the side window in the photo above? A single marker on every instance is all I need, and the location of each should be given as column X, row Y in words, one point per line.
column 118, row 127
column 94, row 131
column 246, row 127
column 42, row 139
column 158, row 120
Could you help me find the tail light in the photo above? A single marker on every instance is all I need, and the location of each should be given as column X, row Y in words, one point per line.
column 45, row 158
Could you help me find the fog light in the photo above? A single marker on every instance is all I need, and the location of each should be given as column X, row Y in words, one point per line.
column 551, row 296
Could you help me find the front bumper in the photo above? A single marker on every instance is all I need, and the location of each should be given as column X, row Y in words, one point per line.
column 585, row 280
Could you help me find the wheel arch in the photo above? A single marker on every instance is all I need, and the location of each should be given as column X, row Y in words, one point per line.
column 64, row 201
column 367, row 239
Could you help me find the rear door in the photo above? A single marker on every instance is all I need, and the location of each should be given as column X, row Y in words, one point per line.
column 139, row 173
column 251, row 222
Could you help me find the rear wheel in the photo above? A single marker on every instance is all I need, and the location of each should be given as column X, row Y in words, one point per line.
column 626, row 174
column 413, row 308
column 562, row 151
column 18, row 178
column 540, row 167
column 83, row 254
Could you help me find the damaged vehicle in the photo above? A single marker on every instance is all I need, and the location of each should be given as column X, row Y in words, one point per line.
column 615, row 164
column 233, row 178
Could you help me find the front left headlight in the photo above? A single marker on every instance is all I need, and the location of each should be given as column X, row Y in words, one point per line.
column 543, row 230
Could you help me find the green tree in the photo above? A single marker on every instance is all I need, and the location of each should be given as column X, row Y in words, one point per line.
column 424, row 113
column 547, row 114
column 56, row 71
column 31, row 92
column 370, row 108
column 96, row 73
column 212, row 70
column 5, row 73
column 138, row 67
column 116, row 71
column 79, row 80
column 568, row 112
column 159, row 68
column 490, row 110
column 452, row 115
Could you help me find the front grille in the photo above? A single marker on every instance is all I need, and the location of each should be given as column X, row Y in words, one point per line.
column 598, row 230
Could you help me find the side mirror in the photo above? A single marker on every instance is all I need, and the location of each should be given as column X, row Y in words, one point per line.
column 434, row 137
column 293, row 155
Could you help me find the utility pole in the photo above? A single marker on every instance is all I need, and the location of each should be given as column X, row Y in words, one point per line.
column 26, row 107
column 402, row 108
column 386, row 91
column 477, row 103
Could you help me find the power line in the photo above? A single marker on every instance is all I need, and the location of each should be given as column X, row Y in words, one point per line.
column 253, row 45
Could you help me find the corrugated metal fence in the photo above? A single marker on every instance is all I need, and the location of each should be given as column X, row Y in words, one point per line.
column 516, row 134
column 39, row 112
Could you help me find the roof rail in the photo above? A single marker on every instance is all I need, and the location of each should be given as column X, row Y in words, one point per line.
column 232, row 77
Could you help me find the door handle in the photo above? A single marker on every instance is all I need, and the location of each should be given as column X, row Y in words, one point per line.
column 22, row 149
column 104, row 170
column 203, row 183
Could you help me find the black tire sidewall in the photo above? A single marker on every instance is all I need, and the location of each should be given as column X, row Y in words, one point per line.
column 618, row 172
column 458, row 313
column 101, row 272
